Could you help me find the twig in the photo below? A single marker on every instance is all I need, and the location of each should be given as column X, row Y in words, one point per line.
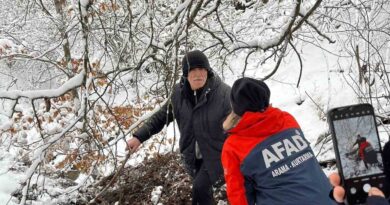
column 112, row 180
column 358, row 64
column 315, row 103
column 300, row 63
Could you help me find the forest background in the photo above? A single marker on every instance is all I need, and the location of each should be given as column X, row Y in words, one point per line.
column 77, row 77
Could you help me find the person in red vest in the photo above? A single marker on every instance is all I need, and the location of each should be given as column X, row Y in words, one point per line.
column 266, row 158
column 366, row 152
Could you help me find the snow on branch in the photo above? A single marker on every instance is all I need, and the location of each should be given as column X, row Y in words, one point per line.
column 178, row 11
column 40, row 155
column 8, row 48
column 212, row 9
column 74, row 82
column 265, row 44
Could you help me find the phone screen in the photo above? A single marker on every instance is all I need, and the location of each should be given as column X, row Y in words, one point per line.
column 358, row 144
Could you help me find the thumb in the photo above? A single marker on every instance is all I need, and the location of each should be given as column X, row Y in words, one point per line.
column 375, row 192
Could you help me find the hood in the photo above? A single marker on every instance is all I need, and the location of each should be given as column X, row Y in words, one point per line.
column 264, row 124
column 195, row 59
column 249, row 94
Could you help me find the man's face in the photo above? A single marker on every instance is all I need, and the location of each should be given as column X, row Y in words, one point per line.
column 197, row 78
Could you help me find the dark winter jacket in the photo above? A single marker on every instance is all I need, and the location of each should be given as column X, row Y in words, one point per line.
column 267, row 160
column 386, row 167
column 376, row 200
column 200, row 121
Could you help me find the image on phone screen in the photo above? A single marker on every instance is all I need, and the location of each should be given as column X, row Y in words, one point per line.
column 358, row 146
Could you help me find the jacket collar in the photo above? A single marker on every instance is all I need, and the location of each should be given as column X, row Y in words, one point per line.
column 269, row 122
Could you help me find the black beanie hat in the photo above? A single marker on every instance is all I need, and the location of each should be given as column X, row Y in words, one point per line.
column 194, row 59
column 249, row 94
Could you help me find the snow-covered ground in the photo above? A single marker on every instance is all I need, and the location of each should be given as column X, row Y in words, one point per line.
column 8, row 179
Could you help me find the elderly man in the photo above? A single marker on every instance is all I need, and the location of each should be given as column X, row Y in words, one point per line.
column 200, row 103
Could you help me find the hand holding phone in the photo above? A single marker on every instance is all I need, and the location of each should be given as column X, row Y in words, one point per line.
column 357, row 149
column 375, row 195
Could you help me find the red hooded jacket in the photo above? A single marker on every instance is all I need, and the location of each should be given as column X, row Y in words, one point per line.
column 362, row 146
column 267, row 160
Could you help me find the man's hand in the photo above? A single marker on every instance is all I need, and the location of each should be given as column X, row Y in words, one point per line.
column 339, row 191
column 133, row 144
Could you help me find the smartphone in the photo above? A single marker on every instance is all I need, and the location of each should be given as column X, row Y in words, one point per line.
column 357, row 149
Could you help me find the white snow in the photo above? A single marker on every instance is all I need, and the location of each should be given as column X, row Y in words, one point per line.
column 156, row 193
column 6, row 44
column 74, row 82
column 6, row 124
column 8, row 179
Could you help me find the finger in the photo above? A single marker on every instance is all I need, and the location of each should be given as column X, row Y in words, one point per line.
column 375, row 192
column 132, row 149
column 129, row 147
column 334, row 179
column 338, row 194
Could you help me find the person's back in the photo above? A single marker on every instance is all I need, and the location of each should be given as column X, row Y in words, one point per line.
column 369, row 155
column 268, row 153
